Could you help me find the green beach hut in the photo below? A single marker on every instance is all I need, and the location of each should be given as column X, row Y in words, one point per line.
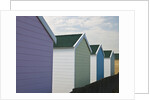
column 71, row 65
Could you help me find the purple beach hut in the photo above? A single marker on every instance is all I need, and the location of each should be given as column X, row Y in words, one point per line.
column 34, row 55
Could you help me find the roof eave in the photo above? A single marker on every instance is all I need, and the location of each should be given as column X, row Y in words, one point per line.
column 80, row 39
column 111, row 53
column 103, row 51
column 42, row 20
column 100, row 46
column 97, row 49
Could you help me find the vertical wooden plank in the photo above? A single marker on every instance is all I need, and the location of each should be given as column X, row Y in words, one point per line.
column 82, row 65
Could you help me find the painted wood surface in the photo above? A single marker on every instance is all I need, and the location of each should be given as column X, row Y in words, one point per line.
column 34, row 56
column 82, row 65
column 100, row 64
column 116, row 66
column 112, row 64
column 97, row 66
column 93, row 68
column 63, row 70
column 107, row 67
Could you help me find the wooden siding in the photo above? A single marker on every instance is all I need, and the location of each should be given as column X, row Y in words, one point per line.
column 93, row 69
column 63, row 70
column 82, row 65
column 112, row 64
column 34, row 56
column 107, row 67
column 116, row 66
column 100, row 64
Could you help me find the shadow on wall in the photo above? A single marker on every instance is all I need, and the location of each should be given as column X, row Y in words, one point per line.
column 106, row 85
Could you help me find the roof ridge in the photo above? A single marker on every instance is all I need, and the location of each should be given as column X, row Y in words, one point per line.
column 67, row 34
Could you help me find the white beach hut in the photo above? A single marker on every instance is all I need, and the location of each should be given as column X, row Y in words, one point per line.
column 71, row 63
column 108, row 63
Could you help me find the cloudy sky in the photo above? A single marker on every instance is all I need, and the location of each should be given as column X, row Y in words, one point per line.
column 99, row 29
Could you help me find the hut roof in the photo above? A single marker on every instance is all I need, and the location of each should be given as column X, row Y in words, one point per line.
column 116, row 56
column 94, row 48
column 107, row 53
column 67, row 40
column 71, row 40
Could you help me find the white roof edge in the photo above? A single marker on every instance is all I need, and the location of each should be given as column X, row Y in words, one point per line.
column 88, row 43
column 79, row 40
column 100, row 46
column 111, row 53
column 42, row 20
column 103, row 50
column 98, row 49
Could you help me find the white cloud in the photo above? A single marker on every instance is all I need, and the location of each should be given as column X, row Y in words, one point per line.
column 99, row 30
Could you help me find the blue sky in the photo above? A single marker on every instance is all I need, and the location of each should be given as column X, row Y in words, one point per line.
column 99, row 29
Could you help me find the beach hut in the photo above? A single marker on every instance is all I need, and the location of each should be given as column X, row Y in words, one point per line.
column 108, row 63
column 97, row 63
column 34, row 55
column 116, row 63
column 71, row 63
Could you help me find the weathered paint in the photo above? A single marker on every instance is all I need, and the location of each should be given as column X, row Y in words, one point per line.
column 100, row 64
column 82, row 65
column 63, row 70
column 34, row 56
